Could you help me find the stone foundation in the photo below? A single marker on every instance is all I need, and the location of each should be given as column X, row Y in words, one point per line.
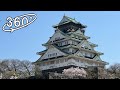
column 93, row 73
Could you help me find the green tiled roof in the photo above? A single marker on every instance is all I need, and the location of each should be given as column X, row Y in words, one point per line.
column 66, row 20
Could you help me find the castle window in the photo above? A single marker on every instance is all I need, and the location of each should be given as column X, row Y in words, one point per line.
column 56, row 54
column 66, row 42
column 67, row 49
column 43, row 64
column 57, row 61
column 73, row 51
column 81, row 61
column 48, row 63
column 85, row 54
column 77, row 60
column 73, row 42
column 52, row 55
column 66, row 60
column 82, row 46
column 86, row 47
column 57, row 38
column 52, row 62
column 61, row 61
column 59, row 44
column 76, row 37
column 91, row 55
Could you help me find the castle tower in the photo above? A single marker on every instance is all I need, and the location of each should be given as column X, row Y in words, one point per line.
column 69, row 47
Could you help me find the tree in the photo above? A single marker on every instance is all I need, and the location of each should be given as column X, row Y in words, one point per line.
column 5, row 69
column 73, row 72
column 16, row 68
column 26, row 69
column 38, row 72
column 114, row 71
column 70, row 73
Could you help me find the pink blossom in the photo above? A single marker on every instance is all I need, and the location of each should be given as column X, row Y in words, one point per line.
column 75, row 72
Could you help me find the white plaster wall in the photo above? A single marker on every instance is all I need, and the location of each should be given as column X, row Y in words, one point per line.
column 70, row 42
column 57, row 34
column 69, row 62
column 87, row 45
column 51, row 51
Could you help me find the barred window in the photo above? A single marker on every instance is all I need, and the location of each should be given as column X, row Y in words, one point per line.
column 52, row 62
column 57, row 61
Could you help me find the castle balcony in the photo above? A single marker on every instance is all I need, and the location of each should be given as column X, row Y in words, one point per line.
column 66, row 62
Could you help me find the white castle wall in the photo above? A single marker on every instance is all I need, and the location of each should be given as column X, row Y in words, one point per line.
column 54, row 53
column 65, row 62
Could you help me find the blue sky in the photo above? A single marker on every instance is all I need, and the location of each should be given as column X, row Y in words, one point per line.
column 102, row 26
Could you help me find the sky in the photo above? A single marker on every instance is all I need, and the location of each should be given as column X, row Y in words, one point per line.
column 103, row 28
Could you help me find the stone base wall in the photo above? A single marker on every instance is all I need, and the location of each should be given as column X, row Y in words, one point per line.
column 93, row 73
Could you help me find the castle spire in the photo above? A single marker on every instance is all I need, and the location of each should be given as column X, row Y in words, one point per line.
column 64, row 15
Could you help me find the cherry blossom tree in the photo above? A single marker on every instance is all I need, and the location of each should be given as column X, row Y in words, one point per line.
column 12, row 68
column 71, row 72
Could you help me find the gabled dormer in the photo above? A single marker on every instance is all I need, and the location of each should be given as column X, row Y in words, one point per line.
column 84, row 44
column 58, row 35
column 97, row 57
column 78, row 53
column 52, row 52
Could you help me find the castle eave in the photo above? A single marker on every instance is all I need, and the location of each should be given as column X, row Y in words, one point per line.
column 42, row 52
column 82, row 26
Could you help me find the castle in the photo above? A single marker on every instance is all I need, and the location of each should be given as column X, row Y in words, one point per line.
column 69, row 47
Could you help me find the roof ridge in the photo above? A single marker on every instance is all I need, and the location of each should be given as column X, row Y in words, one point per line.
column 68, row 18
